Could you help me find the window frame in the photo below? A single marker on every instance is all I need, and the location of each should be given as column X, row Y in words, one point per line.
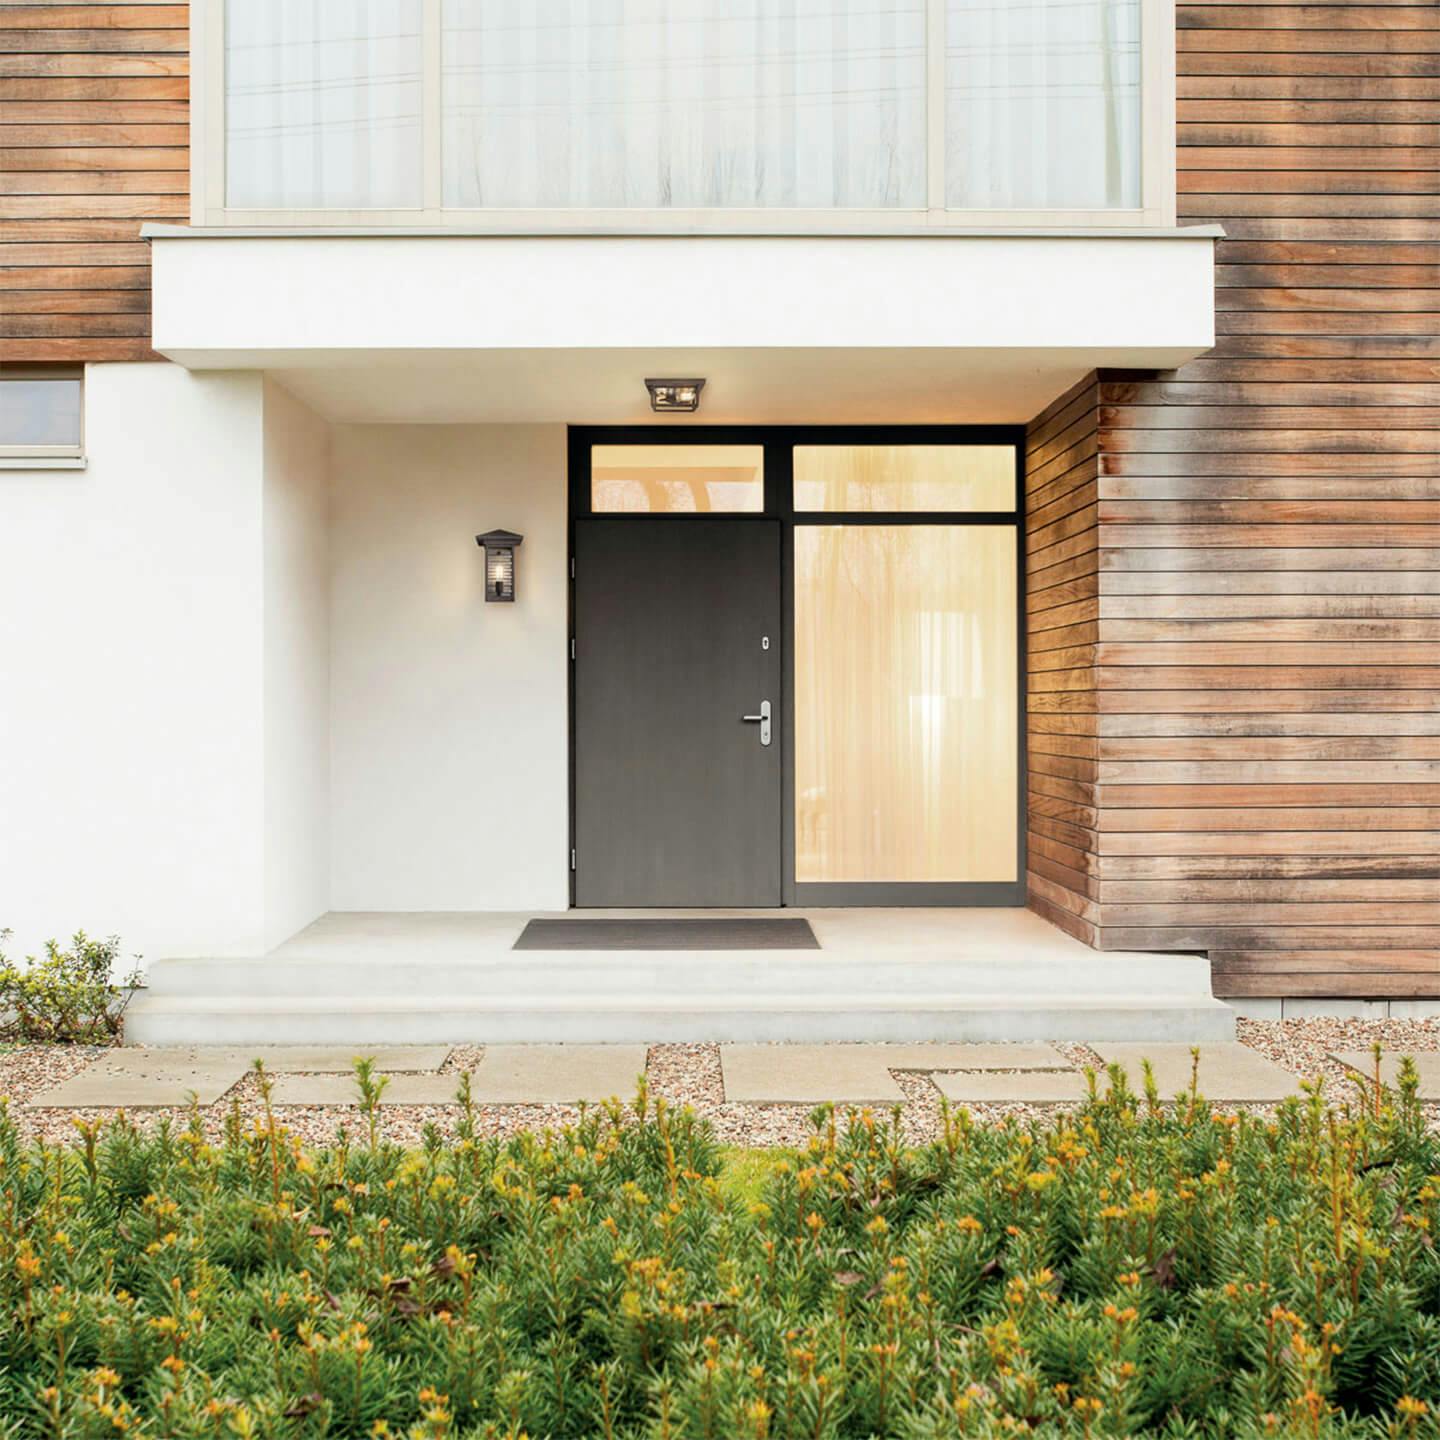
column 43, row 456
column 1157, row 160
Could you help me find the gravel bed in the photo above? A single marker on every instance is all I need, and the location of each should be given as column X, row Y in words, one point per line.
column 684, row 1075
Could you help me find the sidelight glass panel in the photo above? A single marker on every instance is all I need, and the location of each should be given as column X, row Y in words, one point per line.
column 663, row 104
column 904, row 477
column 1042, row 104
column 322, row 104
column 906, row 711
column 677, row 479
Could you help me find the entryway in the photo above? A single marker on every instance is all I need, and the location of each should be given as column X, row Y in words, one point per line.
column 796, row 669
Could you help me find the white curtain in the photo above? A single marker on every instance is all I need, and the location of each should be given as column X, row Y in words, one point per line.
column 323, row 104
column 1042, row 104
column 684, row 103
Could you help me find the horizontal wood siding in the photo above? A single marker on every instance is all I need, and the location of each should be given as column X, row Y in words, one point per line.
column 94, row 141
column 1248, row 712
column 1062, row 581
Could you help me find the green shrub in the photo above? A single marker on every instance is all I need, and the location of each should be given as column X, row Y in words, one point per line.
column 67, row 995
column 1121, row 1271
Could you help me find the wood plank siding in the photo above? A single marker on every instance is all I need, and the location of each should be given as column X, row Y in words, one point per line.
column 94, row 141
column 1234, row 617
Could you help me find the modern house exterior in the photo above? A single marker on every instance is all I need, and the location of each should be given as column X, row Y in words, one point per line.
column 1059, row 525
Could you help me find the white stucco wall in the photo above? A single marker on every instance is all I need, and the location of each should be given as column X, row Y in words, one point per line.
column 297, row 665
column 247, row 673
column 448, row 716
column 131, row 728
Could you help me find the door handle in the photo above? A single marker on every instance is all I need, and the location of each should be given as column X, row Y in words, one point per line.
column 762, row 720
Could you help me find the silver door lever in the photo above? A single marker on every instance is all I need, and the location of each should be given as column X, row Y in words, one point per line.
column 762, row 720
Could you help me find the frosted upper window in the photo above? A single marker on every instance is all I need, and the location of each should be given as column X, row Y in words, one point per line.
column 662, row 104
column 323, row 104
column 1042, row 104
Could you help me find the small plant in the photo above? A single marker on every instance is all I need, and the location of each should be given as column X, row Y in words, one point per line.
column 68, row 995
column 371, row 1084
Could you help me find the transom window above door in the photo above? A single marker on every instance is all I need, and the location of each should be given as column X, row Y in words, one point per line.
column 701, row 113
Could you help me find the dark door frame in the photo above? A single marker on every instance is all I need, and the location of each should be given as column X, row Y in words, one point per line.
column 778, row 442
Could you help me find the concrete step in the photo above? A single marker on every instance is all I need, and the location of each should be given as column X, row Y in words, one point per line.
column 635, row 1017
column 602, row 975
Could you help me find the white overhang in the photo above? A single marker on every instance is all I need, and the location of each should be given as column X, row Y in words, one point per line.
column 896, row 327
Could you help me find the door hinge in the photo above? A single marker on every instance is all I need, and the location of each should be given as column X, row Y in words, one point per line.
column 572, row 859
column 572, row 567
column 572, row 647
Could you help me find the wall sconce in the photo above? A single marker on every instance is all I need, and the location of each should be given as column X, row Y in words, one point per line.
column 500, row 547
column 675, row 394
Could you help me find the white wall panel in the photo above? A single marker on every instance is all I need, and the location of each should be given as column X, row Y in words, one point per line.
column 449, row 719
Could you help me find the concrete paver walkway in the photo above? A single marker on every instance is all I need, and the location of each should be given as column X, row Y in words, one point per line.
column 847, row 1074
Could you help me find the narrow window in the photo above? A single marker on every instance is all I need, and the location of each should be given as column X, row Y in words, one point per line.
column 897, row 478
column 322, row 104
column 1042, row 104
column 906, row 711
column 40, row 414
column 677, row 479
column 661, row 104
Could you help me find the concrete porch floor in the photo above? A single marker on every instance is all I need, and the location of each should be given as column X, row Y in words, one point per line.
column 896, row 975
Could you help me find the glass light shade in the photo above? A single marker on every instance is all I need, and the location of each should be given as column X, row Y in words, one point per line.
column 500, row 547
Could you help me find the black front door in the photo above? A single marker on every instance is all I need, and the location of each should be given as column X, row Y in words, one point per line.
column 677, row 642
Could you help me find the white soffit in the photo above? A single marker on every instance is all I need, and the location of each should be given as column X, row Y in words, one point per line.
column 785, row 328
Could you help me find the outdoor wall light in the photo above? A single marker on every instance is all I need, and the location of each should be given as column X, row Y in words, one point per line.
column 500, row 547
column 675, row 394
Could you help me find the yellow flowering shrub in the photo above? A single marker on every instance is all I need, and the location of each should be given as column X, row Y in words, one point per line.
column 1129, row 1270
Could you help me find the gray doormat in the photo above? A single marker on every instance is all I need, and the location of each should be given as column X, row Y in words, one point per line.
column 718, row 934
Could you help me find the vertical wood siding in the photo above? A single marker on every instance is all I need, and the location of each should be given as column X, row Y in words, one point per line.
column 94, row 141
column 1237, row 748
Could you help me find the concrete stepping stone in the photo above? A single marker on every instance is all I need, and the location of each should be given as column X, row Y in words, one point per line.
column 556, row 1074
column 1427, row 1062
column 402, row 1089
column 319, row 1059
column 143, row 1079
column 1015, row 1087
column 289, row 1059
column 858, row 1074
column 1229, row 1072
column 1002, row 1056
column 809, row 1074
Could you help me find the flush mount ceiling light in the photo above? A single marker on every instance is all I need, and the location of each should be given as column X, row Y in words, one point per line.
column 675, row 394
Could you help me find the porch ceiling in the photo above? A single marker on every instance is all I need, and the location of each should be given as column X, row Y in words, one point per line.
column 786, row 329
